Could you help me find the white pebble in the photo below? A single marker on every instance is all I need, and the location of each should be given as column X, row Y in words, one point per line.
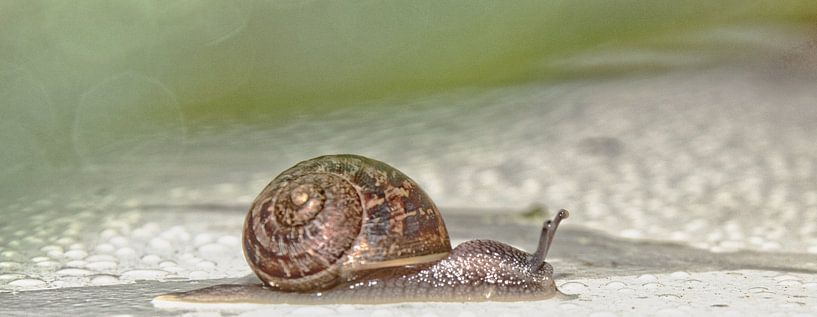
column 76, row 254
column 105, row 248
column 572, row 287
column 100, row 258
column 14, row 243
column 174, row 269
column 206, row 265
column 38, row 259
column 176, row 233
column 107, row 234
column 74, row 272
column 693, row 282
column 101, row 265
column 12, row 276
column 647, row 278
column 118, row 241
column 789, row 283
column 28, row 282
column 230, row 241
column 151, row 259
column 202, row 238
column 143, row 275
column 104, row 280
column 198, row 275
column 65, row 241
column 679, row 275
column 10, row 266
column 48, row 264
column 125, row 252
column 785, row 277
column 10, row 254
column 211, row 250
column 50, row 248
column 148, row 230
column 160, row 245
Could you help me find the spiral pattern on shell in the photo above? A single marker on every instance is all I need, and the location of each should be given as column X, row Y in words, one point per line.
column 324, row 219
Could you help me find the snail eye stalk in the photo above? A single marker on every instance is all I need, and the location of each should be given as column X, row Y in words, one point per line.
column 545, row 239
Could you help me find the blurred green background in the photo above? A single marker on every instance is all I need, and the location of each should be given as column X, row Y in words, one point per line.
column 86, row 84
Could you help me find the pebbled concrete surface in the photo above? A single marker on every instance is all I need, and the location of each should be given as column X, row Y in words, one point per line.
column 609, row 275
column 692, row 192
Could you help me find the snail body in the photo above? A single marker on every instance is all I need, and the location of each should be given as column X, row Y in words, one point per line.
column 349, row 229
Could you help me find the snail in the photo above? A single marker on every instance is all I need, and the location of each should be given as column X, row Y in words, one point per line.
column 349, row 229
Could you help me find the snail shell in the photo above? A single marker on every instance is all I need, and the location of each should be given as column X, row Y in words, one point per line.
column 328, row 218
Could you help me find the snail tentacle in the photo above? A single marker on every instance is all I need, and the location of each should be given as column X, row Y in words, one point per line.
column 545, row 239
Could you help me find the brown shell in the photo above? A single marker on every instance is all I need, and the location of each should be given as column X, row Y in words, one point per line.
column 324, row 219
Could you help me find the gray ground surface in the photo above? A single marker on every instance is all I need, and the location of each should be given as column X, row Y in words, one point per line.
column 579, row 254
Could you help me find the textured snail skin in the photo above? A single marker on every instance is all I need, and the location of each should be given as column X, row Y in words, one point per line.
column 477, row 270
